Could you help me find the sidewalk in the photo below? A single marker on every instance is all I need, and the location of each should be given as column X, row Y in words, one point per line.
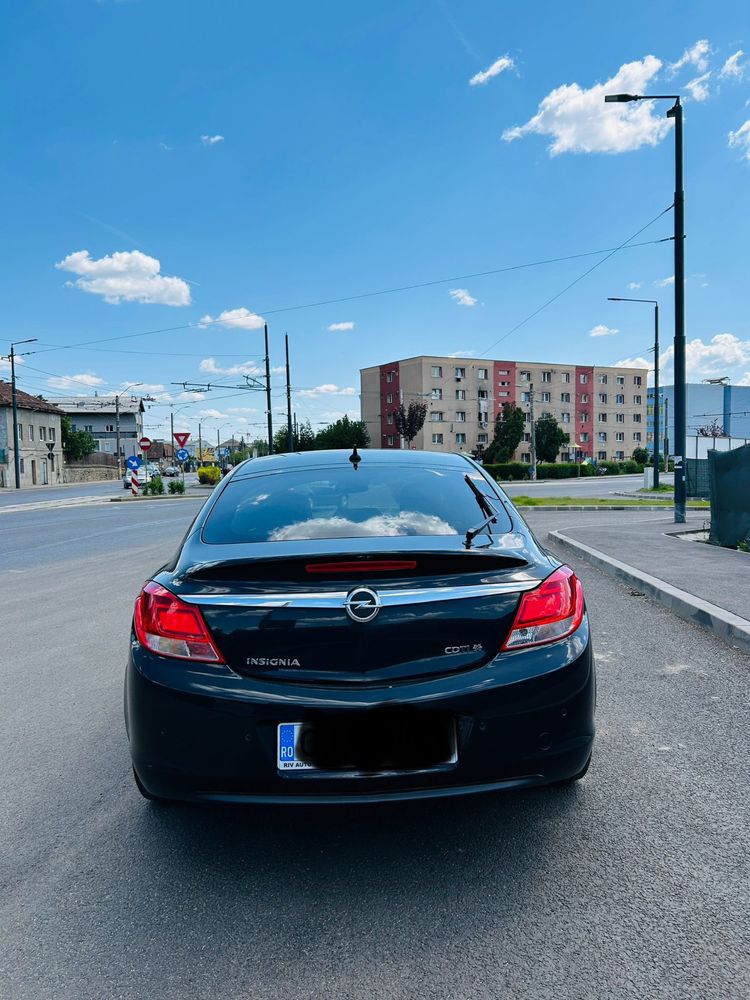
column 707, row 585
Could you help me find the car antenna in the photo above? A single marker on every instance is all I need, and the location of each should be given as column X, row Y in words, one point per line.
column 355, row 458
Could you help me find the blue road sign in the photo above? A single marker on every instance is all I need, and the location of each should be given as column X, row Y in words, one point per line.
column 226, row 453
column 182, row 455
column 133, row 462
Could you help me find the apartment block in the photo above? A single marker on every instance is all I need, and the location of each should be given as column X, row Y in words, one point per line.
column 602, row 409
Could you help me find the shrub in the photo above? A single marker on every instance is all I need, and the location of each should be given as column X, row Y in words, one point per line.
column 209, row 475
column 176, row 486
column 562, row 470
column 154, row 487
column 631, row 466
column 507, row 470
column 611, row 468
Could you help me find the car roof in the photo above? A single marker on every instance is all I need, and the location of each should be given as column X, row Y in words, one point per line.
column 298, row 460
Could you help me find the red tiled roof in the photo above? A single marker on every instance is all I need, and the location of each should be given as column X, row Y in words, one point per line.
column 25, row 401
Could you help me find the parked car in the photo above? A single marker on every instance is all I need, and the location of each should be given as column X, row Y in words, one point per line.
column 143, row 477
column 371, row 627
column 171, row 470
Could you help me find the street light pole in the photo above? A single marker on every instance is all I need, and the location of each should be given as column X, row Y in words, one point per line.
column 14, row 398
column 680, row 384
column 533, row 431
column 117, row 422
column 657, row 449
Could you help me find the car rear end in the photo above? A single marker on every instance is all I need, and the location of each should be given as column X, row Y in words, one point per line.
column 297, row 668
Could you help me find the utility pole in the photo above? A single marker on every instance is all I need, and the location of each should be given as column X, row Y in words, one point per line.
column 657, row 463
column 268, row 392
column 218, row 447
column 14, row 396
column 117, row 433
column 290, row 435
column 680, row 384
column 666, row 433
column 533, row 431
column 171, row 428
column 200, row 446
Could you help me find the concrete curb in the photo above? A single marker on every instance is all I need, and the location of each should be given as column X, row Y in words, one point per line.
column 607, row 507
column 159, row 496
column 725, row 624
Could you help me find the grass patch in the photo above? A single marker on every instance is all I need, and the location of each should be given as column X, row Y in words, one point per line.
column 662, row 488
column 524, row 501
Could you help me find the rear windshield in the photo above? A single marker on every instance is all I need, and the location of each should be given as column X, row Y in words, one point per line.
column 376, row 502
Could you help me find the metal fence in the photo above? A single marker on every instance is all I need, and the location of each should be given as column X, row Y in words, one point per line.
column 697, row 481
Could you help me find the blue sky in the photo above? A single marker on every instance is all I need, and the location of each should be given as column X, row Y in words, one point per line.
column 185, row 164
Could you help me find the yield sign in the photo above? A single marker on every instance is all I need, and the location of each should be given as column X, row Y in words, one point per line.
column 181, row 438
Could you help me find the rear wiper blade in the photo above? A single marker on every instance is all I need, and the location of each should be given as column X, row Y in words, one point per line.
column 485, row 507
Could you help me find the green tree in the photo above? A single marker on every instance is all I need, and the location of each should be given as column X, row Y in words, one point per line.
column 343, row 433
column 305, row 437
column 76, row 444
column 641, row 456
column 409, row 420
column 509, row 425
column 550, row 437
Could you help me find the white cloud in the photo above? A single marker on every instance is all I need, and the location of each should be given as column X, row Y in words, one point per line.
column 210, row 366
column 217, row 414
column 329, row 389
column 239, row 319
column 191, row 396
column 461, row 297
column 242, row 409
column 461, row 354
column 75, row 382
column 697, row 56
column 603, row 331
column 211, row 140
column 498, row 67
column 698, row 88
column 5, row 363
column 129, row 276
column 632, row 285
column 143, row 388
column 732, row 69
column 341, row 326
column 580, row 122
column 724, row 354
column 741, row 140
column 665, row 282
column 163, row 145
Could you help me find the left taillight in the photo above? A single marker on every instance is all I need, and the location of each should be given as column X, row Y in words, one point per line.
column 551, row 611
column 170, row 627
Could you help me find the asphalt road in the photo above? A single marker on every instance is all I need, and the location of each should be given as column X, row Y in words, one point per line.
column 71, row 491
column 586, row 486
column 633, row 884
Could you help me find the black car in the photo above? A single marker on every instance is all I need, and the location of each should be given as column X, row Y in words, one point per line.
column 366, row 627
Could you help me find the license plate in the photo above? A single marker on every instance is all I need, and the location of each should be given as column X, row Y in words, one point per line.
column 421, row 746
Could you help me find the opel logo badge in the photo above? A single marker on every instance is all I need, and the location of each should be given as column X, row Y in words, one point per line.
column 362, row 604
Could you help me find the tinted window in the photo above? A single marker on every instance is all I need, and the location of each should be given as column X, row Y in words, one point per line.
column 379, row 501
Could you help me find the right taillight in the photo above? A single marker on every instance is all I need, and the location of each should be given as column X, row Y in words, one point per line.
column 170, row 627
column 550, row 612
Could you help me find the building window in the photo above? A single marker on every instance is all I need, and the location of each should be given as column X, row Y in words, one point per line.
column 525, row 397
column 437, row 393
column 31, row 432
column 503, row 383
column 461, row 416
column 584, row 397
column 390, row 418
column 391, row 440
column 42, row 433
column 637, row 400
column 620, row 436
column 483, row 417
column 565, row 456
column 584, row 437
column 565, row 377
column 52, row 433
column 584, row 417
column 89, row 428
column 481, row 439
column 460, row 439
column 436, row 416
column 525, row 376
column 437, row 371
column 620, row 455
column 460, row 393
column 459, row 372
column 504, row 372
column 109, row 427
column 389, row 377
column 389, row 398
column 603, row 398
column 602, row 380
column 602, row 418
column 636, row 418
column 526, row 457
column 527, row 417
column 20, row 432
column 584, row 378
column 620, row 418
column 437, row 438
column 621, row 380
column 527, row 438
column 619, row 398
column 564, row 397
column 637, row 436
column 483, row 394
column 23, row 467
column 503, row 394
column 546, row 397
column 637, row 380
column 601, row 456
column 601, row 437
column 546, row 376
column 565, row 418
column 481, row 373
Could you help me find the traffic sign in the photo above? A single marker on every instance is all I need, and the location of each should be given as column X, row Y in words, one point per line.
column 182, row 454
column 182, row 438
column 226, row 453
column 50, row 446
column 144, row 443
column 133, row 462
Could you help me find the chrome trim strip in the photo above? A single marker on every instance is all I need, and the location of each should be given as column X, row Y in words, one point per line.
column 336, row 599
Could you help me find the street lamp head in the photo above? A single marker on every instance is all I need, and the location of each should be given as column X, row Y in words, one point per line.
column 31, row 340
column 620, row 98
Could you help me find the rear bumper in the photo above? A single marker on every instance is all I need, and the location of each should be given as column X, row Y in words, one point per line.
column 199, row 733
